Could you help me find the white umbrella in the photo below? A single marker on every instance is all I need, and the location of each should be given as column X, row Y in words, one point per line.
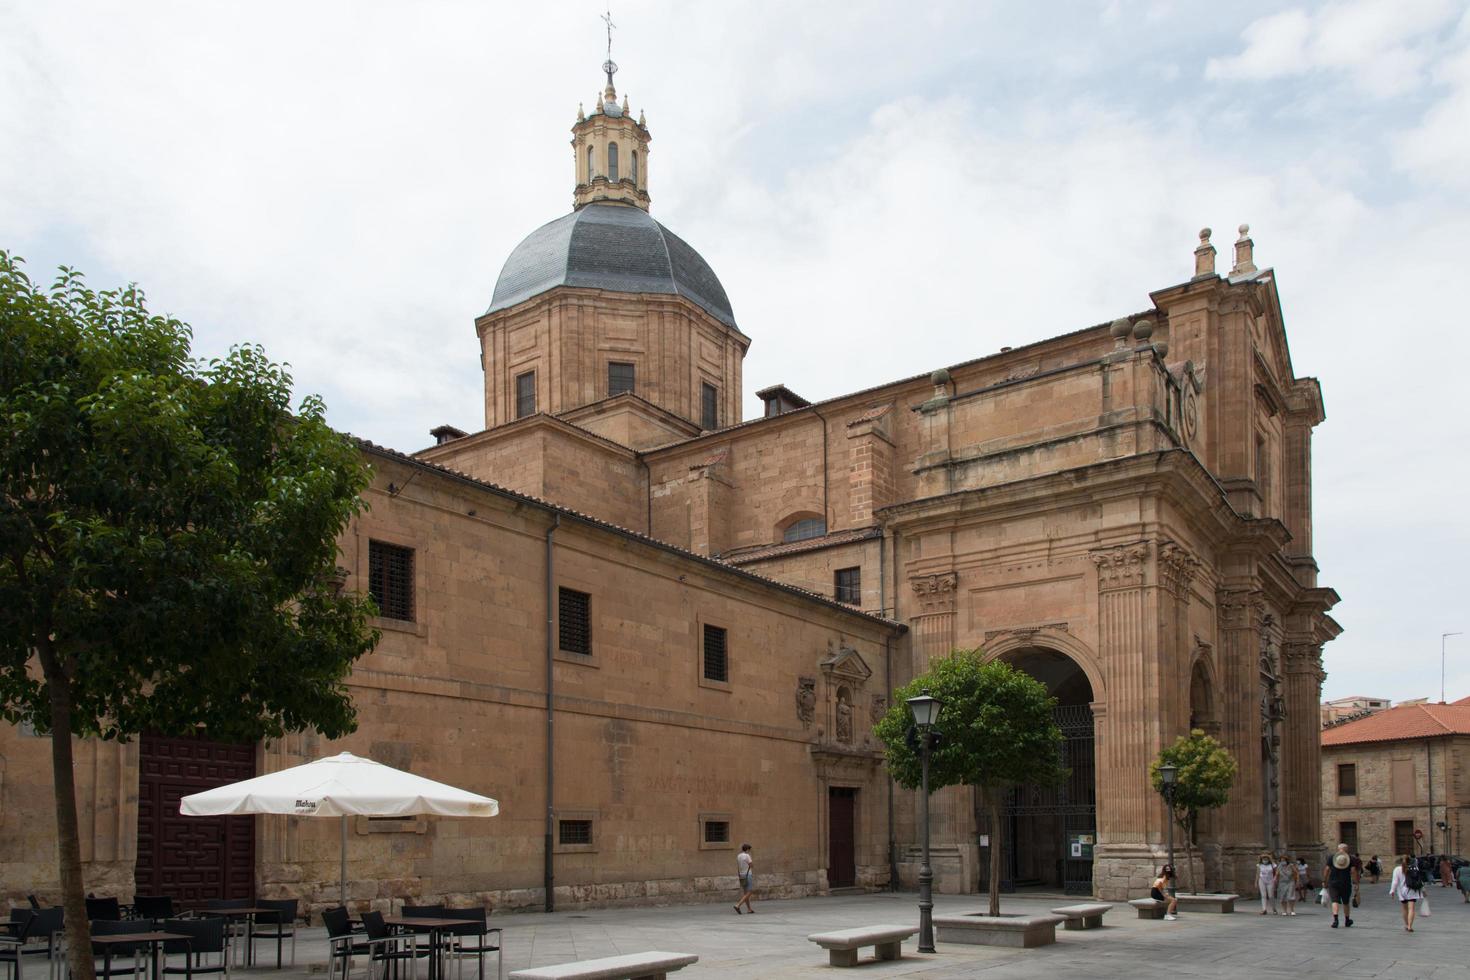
column 340, row 786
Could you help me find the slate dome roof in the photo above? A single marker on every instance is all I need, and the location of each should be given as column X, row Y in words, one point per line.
column 613, row 247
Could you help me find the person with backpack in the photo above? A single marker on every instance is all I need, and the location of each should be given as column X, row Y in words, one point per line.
column 1338, row 874
column 1408, row 887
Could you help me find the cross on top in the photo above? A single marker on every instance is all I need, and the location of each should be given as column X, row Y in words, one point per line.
column 609, row 65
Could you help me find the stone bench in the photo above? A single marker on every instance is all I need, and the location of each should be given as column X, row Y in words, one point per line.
column 1195, row 902
column 1084, row 916
column 842, row 946
column 632, row 966
column 1149, row 908
column 977, row 928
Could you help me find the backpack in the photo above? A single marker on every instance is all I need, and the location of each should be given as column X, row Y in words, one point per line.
column 1414, row 879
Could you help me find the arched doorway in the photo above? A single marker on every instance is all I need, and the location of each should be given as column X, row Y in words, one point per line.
column 1049, row 832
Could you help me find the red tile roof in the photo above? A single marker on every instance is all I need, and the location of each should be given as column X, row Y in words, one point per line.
column 1404, row 722
column 1461, row 701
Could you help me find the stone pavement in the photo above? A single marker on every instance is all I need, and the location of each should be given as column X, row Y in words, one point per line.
column 773, row 943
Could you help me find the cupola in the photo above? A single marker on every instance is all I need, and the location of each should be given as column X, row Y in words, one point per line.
column 610, row 151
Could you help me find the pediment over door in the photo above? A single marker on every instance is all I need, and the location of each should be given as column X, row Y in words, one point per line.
column 846, row 666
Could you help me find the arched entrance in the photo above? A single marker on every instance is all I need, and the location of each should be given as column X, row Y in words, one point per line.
column 1049, row 832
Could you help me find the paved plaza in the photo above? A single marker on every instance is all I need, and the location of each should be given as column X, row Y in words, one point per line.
column 773, row 942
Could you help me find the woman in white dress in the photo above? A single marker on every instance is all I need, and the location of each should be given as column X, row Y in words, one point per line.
column 1286, row 885
column 1406, row 875
column 1266, row 882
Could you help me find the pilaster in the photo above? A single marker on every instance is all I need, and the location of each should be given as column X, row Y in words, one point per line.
column 1302, row 748
column 1240, row 613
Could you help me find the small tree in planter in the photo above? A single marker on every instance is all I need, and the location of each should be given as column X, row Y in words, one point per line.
column 997, row 733
column 1206, row 772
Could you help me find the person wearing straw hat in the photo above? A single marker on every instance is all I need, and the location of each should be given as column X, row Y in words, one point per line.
column 1338, row 873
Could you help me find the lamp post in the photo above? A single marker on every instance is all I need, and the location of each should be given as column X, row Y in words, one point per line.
column 1442, row 637
column 925, row 710
column 1169, row 776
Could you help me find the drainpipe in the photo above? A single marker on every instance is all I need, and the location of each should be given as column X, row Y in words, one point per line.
column 549, row 875
column 648, row 485
column 1429, row 778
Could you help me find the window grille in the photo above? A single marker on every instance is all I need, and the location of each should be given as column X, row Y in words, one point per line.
column 612, row 162
column 619, row 377
column 574, row 831
column 710, row 406
column 1347, row 779
column 717, row 831
column 1347, row 833
column 525, row 394
column 716, row 660
column 1403, row 837
column 390, row 579
column 804, row 529
column 574, row 621
column 848, row 585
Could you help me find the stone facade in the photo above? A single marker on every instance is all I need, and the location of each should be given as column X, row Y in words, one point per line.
column 1123, row 511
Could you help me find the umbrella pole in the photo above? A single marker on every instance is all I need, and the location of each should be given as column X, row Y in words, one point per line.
column 344, row 860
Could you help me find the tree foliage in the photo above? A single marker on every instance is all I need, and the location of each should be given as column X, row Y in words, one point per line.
column 167, row 535
column 997, row 732
column 1206, row 773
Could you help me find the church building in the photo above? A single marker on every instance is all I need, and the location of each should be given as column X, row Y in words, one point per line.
column 655, row 630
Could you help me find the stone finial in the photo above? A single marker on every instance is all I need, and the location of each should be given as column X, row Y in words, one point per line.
column 641, row 121
column 1119, row 329
column 581, row 116
column 625, row 104
column 1204, row 256
column 1143, row 329
column 939, row 378
column 1244, row 253
column 596, row 105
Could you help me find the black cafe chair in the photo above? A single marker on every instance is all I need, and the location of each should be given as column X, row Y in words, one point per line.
column 278, row 924
column 206, row 936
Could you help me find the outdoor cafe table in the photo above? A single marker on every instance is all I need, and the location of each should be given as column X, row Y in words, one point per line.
column 152, row 939
column 435, row 926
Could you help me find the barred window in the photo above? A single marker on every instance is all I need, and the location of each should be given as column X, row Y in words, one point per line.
column 1347, row 779
column 574, row 621
column 804, row 529
column 716, row 660
column 525, row 394
column 848, row 585
column 1347, row 833
column 717, row 831
column 619, row 377
column 574, row 831
column 710, row 406
column 390, row 579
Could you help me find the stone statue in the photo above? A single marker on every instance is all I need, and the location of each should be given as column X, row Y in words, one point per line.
column 806, row 700
column 879, row 708
column 844, row 721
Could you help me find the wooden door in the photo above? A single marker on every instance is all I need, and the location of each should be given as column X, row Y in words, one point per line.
column 192, row 859
column 841, row 837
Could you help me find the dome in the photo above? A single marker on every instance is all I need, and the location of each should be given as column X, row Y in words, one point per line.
column 613, row 247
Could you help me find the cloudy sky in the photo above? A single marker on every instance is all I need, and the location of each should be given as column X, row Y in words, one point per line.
column 883, row 188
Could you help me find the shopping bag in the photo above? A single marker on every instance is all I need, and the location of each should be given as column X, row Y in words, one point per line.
column 1424, row 907
column 1322, row 897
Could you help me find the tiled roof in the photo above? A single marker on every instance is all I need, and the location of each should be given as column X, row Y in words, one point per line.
column 1461, row 701
column 1404, row 722
column 759, row 552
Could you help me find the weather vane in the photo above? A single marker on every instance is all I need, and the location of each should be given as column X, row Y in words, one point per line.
column 609, row 65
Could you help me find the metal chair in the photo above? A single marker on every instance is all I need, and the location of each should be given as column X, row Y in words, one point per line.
column 383, row 947
column 109, row 953
column 461, row 946
column 12, row 942
column 235, row 928
column 154, row 908
column 283, row 921
column 343, row 941
column 205, row 936
column 46, row 928
column 103, row 909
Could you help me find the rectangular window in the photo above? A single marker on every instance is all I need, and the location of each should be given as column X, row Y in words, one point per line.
column 1347, row 833
column 1401, row 781
column 525, row 394
column 619, row 377
column 709, row 406
column 1347, row 779
column 848, row 585
column 574, row 832
column 716, row 660
column 1403, row 837
column 574, row 621
column 717, row 831
column 390, row 579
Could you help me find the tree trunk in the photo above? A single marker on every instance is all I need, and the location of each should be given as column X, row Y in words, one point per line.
column 995, row 837
column 1188, row 829
column 68, row 845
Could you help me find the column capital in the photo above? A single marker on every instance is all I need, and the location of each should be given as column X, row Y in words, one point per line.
column 1240, row 608
column 1120, row 567
column 935, row 592
column 1177, row 568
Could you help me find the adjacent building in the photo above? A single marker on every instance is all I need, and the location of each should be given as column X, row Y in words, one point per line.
column 654, row 630
column 1398, row 781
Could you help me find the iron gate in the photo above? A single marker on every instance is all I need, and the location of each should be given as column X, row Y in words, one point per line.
column 1049, row 831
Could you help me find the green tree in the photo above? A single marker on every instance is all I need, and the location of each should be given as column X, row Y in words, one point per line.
column 167, row 540
column 1206, row 772
column 997, row 733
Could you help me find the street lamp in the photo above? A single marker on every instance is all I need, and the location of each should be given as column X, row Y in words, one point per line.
column 1442, row 637
column 1169, row 777
column 925, row 710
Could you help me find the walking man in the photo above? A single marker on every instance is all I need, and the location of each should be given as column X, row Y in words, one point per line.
column 1338, row 873
column 744, row 864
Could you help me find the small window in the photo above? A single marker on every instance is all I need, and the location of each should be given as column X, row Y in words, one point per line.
column 848, row 585
column 525, row 394
column 710, row 406
column 717, row 831
column 619, row 378
column 612, row 161
column 1347, row 833
column 716, row 655
column 574, row 832
column 590, row 169
column 390, row 579
column 805, row 529
column 1347, row 780
column 633, row 161
column 574, row 621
